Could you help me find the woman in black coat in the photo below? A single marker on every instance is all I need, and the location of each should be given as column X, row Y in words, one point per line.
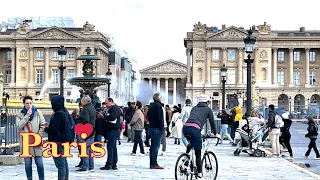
column 285, row 133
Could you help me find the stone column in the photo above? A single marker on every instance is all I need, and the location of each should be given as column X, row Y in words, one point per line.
column 255, row 63
column 150, row 83
column 240, row 62
column 14, row 65
column 188, row 66
column 46, row 63
column 167, row 90
column 224, row 54
column 208, row 63
column 275, row 66
column 307, row 67
column 174, row 91
column 79, row 63
column 291, row 66
column 158, row 85
column 31, row 69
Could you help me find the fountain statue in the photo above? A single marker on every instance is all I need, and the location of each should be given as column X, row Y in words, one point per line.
column 88, row 82
column 255, row 100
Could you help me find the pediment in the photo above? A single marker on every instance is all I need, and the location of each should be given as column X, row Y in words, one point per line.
column 54, row 33
column 167, row 67
column 229, row 33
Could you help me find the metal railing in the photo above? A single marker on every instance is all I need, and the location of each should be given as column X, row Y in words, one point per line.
column 9, row 133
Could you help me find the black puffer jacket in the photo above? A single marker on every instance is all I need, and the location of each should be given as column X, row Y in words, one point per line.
column 225, row 118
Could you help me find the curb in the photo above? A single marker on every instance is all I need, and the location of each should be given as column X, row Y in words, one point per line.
column 301, row 169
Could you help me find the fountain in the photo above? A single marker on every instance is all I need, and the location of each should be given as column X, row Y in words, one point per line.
column 88, row 82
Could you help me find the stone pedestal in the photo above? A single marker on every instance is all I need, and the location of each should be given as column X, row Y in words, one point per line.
column 10, row 160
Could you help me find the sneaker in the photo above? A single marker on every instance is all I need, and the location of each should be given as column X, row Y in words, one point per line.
column 106, row 168
column 82, row 170
column 306, row 157
column 142, row 154
column 163, row 153
column 133, row 154
column 91, row 170
column 156, row 167
column 290, row 158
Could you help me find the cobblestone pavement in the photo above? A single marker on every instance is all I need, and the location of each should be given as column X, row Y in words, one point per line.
column 136, row 167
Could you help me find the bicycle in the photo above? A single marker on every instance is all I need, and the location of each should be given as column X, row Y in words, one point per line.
column 188, row 168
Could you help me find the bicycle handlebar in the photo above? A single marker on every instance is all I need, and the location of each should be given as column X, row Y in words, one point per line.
column 210, row 136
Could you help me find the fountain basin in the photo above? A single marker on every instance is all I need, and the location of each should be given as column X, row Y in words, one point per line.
column 88, row 82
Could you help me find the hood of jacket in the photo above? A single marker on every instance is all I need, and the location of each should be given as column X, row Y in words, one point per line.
column 202, row 104
column 238, row 110
column 57, row 103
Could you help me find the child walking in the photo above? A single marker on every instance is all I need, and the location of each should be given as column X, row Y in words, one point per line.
column 312, row 135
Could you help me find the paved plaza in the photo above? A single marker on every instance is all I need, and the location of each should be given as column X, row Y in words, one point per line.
column 136, row 167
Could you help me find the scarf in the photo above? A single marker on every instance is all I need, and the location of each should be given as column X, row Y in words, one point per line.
column 24, row 111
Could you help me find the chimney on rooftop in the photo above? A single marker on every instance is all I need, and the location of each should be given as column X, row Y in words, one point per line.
column 302, row 29
column 223, row 26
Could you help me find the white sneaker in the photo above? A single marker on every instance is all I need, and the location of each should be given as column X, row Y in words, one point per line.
column 317, row 158
column 133, row 154
column 92, row 170
column 291, row 158
column 142, row 154
column 306, row 157
column 162, row 153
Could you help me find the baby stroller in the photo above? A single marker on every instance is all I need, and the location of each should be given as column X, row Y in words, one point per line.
column 249, row 141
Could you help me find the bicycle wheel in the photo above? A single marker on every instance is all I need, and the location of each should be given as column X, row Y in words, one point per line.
column 209, row 166
column 182, row 168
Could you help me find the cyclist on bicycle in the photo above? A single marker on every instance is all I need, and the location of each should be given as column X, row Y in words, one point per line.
column 192, row 128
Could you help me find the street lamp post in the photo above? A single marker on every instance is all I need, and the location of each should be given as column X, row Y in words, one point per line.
column 290, row 104
column 223, row 70
column 109, row 76
column 249, row 42
column 62, row 59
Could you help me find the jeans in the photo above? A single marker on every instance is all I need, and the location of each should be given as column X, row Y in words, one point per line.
column 234, row 128
column 112, row 148
column 98, row 138
column 148, row 136
column 184, row 140
column 164, row 141
column 224, row 132
column 28, row 167
column 138, row 140
column 313, row 145
column 88, row 162
column 156, row 136
column 61, row 164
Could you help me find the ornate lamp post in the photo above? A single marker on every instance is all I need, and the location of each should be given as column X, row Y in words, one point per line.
column 249, row 42
column 223, row 72
column 109, row 76
column 62, row 59
column 290, row 104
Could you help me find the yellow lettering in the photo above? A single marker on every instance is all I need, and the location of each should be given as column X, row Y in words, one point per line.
column 51, row 151
column 97, row 152
column 25, row 140
column 66, row 147
column 83, row 150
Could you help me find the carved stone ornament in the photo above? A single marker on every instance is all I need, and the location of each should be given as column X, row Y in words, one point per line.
column 168, row 68
column 230, row 34
column 199, row 28
column 199, row 54
column 23, row 29
column 263, row 55
column 264, row 29
column 54, row 34
column 23, row 54
column 87, row 28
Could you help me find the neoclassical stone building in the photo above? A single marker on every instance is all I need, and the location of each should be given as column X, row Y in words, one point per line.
column 29, row 58
column 168, row 78
column 286, row 65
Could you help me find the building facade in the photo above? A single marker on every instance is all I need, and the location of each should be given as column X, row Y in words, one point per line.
column 286, row 65
column 168, row 78
column 30, row 63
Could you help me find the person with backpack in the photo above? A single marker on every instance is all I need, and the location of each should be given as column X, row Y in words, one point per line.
column 275, row 122
column 60, row 130
column 312, row 135
column 29, row 119
column 285, row 133
column 87, row 115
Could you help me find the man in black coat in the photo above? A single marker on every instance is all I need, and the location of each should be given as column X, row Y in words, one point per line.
column 112, row 119
column 128, row 116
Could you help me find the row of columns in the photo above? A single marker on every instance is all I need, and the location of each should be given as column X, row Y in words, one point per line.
column 167, row 89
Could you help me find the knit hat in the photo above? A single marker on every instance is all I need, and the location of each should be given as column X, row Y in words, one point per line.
column 203, row 98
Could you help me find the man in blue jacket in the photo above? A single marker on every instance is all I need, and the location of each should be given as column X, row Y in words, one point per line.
column 156, row 116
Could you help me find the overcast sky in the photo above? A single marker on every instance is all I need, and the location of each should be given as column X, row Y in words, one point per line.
column 152, row 31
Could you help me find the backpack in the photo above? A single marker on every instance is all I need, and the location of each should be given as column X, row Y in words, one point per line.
column 278, row 122
column 68, row 133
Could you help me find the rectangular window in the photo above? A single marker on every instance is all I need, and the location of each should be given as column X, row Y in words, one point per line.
column 54, row 54
column 296, row 78
column 71, row 53
column 9, row 55
column 39, row 54
column 280, row 55
column 231, row 76
column 8, row 76
column 296, row 56
column 39, row 76
column 281, row 77
column 312, row 56
column 215, row 74
column 55, row 76
column 313, row 77
column 231, row 54
column 71, row 73
column 215, row 54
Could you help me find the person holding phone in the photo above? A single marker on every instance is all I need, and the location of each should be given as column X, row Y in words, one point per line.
column 30, row 119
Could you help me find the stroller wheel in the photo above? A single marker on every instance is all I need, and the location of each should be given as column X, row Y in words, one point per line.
column 258, row 153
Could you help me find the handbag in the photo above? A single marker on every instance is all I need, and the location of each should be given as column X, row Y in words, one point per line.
column 32, row 139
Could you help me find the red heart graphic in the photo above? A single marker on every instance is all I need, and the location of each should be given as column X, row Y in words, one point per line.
column 83, row 130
